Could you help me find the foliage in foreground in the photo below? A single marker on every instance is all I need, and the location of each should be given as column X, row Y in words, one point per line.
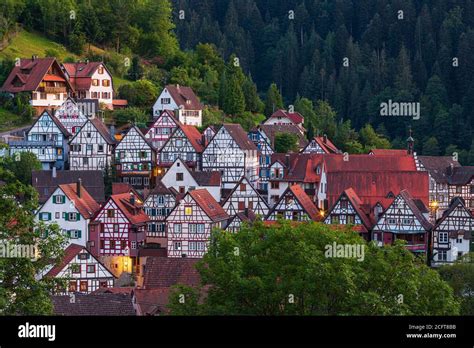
column 283, row 270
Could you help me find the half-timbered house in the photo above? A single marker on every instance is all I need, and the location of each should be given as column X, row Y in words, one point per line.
column 158, row 205
column 135, row 159
column 209, row 133
column 92, row 147
column 406, row 218
column 320, row 145
column 72, row 208
column 350, row 210
column 162, row 128
column 294, row 205
column 117, row 231
column 285, row 117
column 265, row 158
column 452, row 234
column 245, row 197
column 182, row 179
column 82, row 271
column 191, row 222
column 461, row 184
column 232, row 154
column 70, row 116
column 48, row 140
column 185, row 143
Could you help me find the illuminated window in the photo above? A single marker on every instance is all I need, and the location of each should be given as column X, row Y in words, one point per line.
column 188, row 211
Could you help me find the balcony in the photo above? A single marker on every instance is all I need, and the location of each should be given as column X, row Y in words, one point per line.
column 53, row 90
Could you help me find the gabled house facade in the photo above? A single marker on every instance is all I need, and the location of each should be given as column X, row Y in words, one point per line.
column 182, row 179
column 235, row 222
column 191, row 222
column 48, row 140
column 283, row 117
column 406, row 218
column 72, row 208
column 185, row 143
column 350, row 210
column 135, row 159
column 91, row 148
column 320, row 145
column 91, row 80
column 183, row 102
column 162, row 128
column 70, row 116
column 452, row 234
column 232, row 154
column 158, row 205
column 43, row 79
column 294, row 205
column 82, row 272
column 244, row 197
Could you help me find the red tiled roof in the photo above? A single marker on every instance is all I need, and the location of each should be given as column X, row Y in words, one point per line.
column 210, row 206
column 103, row 130
column 374, row 187
column 305, row 202
column 152, row 301
column 389, row 152
column 86, row 205
column 184, row 97
column 194, row 137
column 418, row 209
column 134, row 214
column 240, row 136
column 207, row 178
column 295, row 117
column 31, row 72
column 326, row 144
column 119, row 102
column 80, row 74
column 438, row 166
column 369, row 163
column 360, row 209
column 69, row 254
column 302, row 166
column 164, row 272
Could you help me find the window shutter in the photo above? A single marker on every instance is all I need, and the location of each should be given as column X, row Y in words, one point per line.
column 68, row 234
column 79, row 234
column 49, row 216
column 65, row 217
column 78, row 216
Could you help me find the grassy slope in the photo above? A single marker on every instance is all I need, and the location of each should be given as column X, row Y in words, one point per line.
column 9, row 120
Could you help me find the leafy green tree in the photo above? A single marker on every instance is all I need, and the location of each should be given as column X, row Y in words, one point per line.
column 372, row 140
column 326, row 118
column 234, row 99
column 247, row 274
column 21, row 164
column 131, row 115
column 274, row 100
column 141, row 93
column 431, row 147
column 253, row 102
column 286, row 142
column 460, row 277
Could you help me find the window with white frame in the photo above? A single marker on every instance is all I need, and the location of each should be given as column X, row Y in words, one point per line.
column 443, row 237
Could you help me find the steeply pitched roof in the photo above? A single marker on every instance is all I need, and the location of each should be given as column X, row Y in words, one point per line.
column 30, row 73
column 163, row 272
column 302, row 167
column 418, row 209
column 359, row 207
column 369, row 163
column 295, row 117
column 375, row 187
column 160, row 189
column 210, row 206
column 99, row 304
column 455, row 203
column 69, row 254
column 184, row 97
column 103, row 130
column 55, row 121
column 207, row 178
column 438, row 166
column 134, row 213
column 303, row 199
column 240, row 136
column 80, row 74
column 85, row 204
column 271, row 131
column 389, row 152
column 194, row 137
column 326, row 144
column 44, row 182
column 152, row 301
column 462, row 175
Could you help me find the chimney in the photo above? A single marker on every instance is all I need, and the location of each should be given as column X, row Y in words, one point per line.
column 53, row 173
column 132, row 199
column 325, row 138
column 34, row 57
column 177, row 86
column 78, row 187
column 203, row 139
column 450, row 169
column 287, row 161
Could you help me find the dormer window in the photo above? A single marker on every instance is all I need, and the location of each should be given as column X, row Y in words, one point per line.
column 101, row 70
column 318, row 170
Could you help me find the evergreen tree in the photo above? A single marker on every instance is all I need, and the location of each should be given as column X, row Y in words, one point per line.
column 274, row 100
